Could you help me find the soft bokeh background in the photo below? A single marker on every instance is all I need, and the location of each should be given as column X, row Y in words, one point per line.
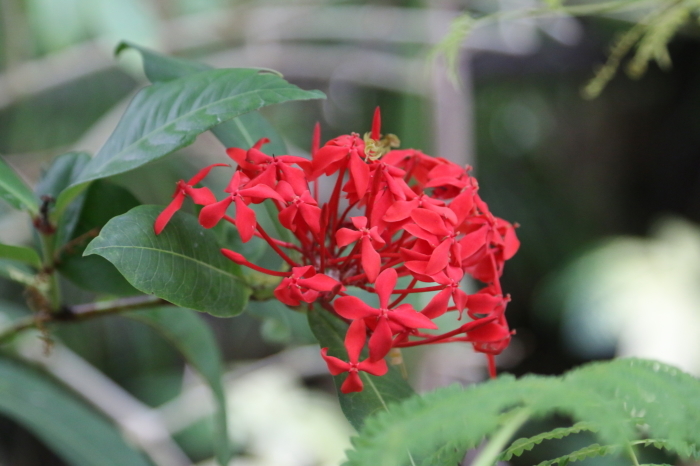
column 607, row 193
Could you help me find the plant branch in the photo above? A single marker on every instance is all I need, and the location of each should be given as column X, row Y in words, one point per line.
column 80, row 312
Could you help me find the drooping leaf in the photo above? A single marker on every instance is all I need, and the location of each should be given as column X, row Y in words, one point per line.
column 14, row 190
column 193, row 338
column 79, row 435
column 590, row 451
column 182, row 265
column 378, row 393
column 167, row 116
column 526, row 444
column 242, row 131
column 103, row 201
column 21, row 254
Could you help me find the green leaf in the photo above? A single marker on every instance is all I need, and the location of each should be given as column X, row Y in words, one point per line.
column 159, row 67
column 378, row 393
column 15, row 191
column 526, row 444
column 243, row 131
column 167, row 116
column 21, row 254
column 591, row 451
column 195, row 340
column 103, row 201
column 80, row 436
column 281, row 324
column 63, row 171
column 182, row 265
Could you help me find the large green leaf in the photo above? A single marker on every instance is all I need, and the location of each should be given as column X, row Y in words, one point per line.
column 182, row 265
column 15, row 191
column 378, row 392
column 103, row 201
column 80, row 436
column 242, row 131
column 193, row 338
column 19, row 272
column 167, row 116
column 21, row 254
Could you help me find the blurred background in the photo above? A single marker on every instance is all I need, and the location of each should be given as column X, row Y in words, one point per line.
column 606, row 192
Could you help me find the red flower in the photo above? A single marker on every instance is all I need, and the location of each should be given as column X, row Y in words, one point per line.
column 200, row 196
column 305, row 285
column 385, row 322
column 245, row 216
column 371, row 261
column 301, row 208
column 354, row 341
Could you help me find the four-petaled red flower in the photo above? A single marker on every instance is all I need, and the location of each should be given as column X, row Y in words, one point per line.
column 354, row 341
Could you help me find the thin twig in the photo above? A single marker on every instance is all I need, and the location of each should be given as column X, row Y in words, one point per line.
column 80, row 312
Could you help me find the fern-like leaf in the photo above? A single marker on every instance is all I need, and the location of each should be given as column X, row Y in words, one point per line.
column 526, row 444
column 591, row 451
column 622, row 400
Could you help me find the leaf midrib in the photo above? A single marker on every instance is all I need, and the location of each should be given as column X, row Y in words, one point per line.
column 188, row 114
column 163, row 251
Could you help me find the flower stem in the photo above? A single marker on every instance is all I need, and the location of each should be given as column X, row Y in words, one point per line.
column 48, row 243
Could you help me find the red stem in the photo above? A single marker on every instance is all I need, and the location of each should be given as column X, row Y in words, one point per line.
column 274, row 246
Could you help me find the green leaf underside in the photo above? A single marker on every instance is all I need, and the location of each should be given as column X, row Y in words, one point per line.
column 608, row 396
column 103, row 201
column 378, row 393
column 243, row 131
column 80, row 436
column 20, row 253
column 182, row 265
column 167, row 116
column 526, row 444
column 196, row 342
column 54, row 181
column 14, row 190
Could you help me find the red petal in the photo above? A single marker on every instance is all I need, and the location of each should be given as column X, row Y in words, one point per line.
column 312, row 216
column 374, row 367
column 319, row 282
column 355, row 339
column 488, row 333
column 359, row 173
column 261, row 191
column 245, row 220
column 430, row 221
column 211, row 214
column 439, row 258
column 380, row 341
column 285, row 190
column 284, row 294
column 165, row 216
column 400, row 210
column 409, row 318
column 352, row 384
column 386, row 282
column 371, row 262
column 200, row 196
column 335, row 366
column 351, row 307
column 438, row 305
column 234, row 256
column 201, row 174
column 359, row 222
column 482, row 303
column 287, row 215
column 345, row 236
column 472, row 242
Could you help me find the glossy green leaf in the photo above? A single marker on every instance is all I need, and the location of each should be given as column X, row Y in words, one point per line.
column 103, row 201
column 167, row 116
column 62, row 172
column 14, row 190
column 378, row 392
column 195, row 340
column 242, row 131
column 21, row 254
column 79, row 435
column 182, row 265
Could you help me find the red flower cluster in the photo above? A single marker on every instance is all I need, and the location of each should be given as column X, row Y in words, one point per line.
column 391, row 214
